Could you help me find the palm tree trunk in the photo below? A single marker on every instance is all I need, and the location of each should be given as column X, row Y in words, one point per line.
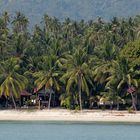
column 133, row 102
column 13, row 100
column 80, row 96
column 39, row 104
column 20, row 103
column 111, row 106
column 118, row 106
column 49, row 104
column 80, row 100
column 73, row 101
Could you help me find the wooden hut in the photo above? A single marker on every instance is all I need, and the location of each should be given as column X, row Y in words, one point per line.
column 46, row 97
column 24, row 97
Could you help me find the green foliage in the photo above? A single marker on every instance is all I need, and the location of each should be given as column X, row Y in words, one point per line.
column 130, row 110
column 84, row 60
column 12, row 83
column 132, row 50
column 77, row 108
column 65, row 101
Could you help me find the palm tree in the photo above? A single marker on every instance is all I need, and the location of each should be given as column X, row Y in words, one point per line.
column 4, row 35
column 77, row 73
column 102, row 61
column 6, row 18
column 47, row 77
column 113, row 94
column 11, row 81
column 20, row 23
column 122, row 75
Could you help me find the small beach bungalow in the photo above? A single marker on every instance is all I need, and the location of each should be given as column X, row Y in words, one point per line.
column 46, row 97
column 24, row 98
column 21, row 101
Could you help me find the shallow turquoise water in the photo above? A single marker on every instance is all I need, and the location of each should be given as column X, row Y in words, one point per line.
column 68, row 131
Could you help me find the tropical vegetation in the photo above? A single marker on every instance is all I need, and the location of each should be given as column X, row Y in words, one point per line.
column 85, row 63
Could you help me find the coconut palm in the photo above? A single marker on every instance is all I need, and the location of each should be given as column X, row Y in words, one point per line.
column 4, row 33
column 122, row 75
column 20, row 22
column 77, row 73
column 47, row 77
column 6, row 18
column 11, row 81
column 101, row 62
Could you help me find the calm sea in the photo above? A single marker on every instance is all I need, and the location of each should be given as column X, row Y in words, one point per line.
column 68, row 131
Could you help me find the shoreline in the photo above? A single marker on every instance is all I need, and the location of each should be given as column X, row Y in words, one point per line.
column 62, row 115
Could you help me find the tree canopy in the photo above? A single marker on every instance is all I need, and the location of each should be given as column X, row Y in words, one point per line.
column 81, row 61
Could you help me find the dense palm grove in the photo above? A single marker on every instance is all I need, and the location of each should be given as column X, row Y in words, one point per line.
column 83, row 62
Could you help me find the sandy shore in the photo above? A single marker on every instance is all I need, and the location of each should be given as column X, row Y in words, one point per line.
column 66, row 115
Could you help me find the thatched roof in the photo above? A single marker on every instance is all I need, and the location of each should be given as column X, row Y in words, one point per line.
column 43, row 91
column 25, row 93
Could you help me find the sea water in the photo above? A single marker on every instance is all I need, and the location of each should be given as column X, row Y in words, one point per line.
column 68, row 131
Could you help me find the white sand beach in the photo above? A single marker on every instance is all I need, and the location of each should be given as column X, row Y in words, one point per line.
column 66, row 115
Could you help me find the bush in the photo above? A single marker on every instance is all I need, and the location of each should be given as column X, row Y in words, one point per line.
column 130, row 110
